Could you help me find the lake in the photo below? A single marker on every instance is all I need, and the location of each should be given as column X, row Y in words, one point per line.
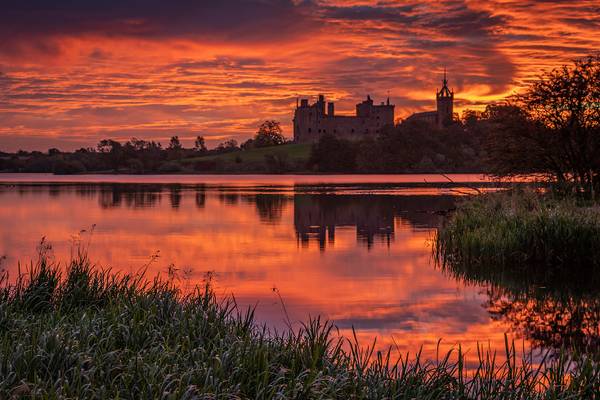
column 353, row 249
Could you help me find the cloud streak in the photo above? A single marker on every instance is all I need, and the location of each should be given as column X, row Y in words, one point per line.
column 74, row 72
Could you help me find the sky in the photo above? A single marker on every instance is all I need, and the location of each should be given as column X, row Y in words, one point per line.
column 74, row 72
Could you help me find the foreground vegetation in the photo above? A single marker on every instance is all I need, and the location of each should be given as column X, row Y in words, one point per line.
column 88, row 333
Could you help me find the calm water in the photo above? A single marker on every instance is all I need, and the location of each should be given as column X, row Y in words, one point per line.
column 356, row 250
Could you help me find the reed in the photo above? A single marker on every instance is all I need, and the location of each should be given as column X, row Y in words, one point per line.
column 88, row 333
column 523, row 234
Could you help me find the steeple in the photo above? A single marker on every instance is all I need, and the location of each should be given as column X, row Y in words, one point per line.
column 444, row 91
column 445, row 103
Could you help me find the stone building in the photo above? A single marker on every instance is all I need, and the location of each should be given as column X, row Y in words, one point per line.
column 443, row 115
column 311, row 121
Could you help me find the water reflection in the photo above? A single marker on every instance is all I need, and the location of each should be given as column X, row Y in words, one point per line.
column 356, row 254
column 557, row 310
column 317, row 216
column 553, row 321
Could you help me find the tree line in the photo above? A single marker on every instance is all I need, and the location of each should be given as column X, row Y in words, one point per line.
column 134, row 156
column 552, row 128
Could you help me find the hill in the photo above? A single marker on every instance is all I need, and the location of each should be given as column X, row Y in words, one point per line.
column 290, row 157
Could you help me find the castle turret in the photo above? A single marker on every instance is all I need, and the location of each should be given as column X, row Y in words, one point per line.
column 445, row 103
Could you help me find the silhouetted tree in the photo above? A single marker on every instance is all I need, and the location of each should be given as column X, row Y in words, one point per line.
column 174, row 143
column 269, row 134
column 228, row 145
column 175, row 149
column 114, row 150
column 331, row 154
column 200, row 145
column 552, row 128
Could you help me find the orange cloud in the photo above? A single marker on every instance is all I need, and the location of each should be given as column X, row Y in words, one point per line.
column 72, row 74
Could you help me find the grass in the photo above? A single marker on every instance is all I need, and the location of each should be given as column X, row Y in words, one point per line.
column 294, row 154
column 88, row 333
column 537, row 237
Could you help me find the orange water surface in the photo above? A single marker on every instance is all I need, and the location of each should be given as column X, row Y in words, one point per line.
column 356, row 251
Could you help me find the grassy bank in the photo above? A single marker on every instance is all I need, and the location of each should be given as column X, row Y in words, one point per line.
column 91, row 334
column 540, row 236
column 291, row 157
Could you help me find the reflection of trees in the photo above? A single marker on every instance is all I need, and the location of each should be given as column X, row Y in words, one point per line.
column 553, row 321
column 552, row 309
column 131, row 196
column 229, row 198
column 175, row 196
column 270, row 206
column 200, row 197
column 115, row 195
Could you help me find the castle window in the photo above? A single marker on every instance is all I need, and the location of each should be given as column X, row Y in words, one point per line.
column 335, row 131
column 324, row 130
column 352, row 130
column 319, row 131
column 309, row 130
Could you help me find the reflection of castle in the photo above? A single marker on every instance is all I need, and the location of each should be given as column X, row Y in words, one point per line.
column 318, row 216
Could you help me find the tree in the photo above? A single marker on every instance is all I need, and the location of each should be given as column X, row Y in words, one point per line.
column 269, row 134
column 108, row 146
column 200, row 145
column 114, row 150
column 228, row 145
column 175, row 149
column 175, row 144
column 552, row 128
column 331, row 154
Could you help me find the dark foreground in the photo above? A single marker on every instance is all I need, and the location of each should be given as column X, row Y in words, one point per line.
column 93, row 334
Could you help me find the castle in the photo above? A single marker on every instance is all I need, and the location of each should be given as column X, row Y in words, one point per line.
column 311, row 121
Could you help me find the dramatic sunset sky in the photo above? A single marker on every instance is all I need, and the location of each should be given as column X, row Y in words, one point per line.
column 73, row 72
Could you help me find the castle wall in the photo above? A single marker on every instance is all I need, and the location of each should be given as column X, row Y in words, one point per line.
column 311, row 122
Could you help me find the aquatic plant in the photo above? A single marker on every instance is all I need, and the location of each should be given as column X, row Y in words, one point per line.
column 537, row 237
column 84, row 332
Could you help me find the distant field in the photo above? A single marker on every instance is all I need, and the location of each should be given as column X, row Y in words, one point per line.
column 294, row 152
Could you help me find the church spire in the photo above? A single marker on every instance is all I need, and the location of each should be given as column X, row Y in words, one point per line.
column 445, row 91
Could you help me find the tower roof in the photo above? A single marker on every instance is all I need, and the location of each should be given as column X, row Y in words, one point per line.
column 444, row 91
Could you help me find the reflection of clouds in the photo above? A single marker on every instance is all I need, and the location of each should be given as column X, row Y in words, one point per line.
column 70, row 75
column 249, row 243
column 455, row 314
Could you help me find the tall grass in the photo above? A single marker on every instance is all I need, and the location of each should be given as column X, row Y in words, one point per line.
column 88, row 333
column 526, row 234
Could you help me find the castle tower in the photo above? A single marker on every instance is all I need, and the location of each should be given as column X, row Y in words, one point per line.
column 445, row 104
